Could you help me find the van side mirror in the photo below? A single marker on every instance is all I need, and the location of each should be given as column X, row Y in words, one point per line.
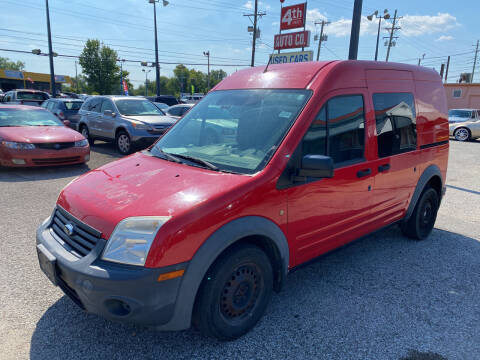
column 317, row 166
column 109, row 113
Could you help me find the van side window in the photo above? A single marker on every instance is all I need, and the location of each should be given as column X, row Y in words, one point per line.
column 396, row 123
column 338, row 130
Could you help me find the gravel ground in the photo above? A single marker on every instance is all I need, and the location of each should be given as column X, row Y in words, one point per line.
column 382, row 297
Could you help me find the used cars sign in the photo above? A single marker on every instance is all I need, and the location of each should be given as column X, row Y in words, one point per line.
column 291, row 57
column 292, row 40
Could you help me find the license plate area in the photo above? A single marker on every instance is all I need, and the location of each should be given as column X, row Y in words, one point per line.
column 47, row 263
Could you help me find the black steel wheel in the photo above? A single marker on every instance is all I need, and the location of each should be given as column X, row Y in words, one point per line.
column 234, row 293
column 422, row 220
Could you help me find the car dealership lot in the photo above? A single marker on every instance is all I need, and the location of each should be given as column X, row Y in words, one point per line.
column 381, row 297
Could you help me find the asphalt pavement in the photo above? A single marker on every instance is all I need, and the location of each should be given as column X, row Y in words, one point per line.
column 381, row 297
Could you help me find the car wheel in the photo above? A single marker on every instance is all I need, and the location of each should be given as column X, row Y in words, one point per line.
column 86, row 134
column 123, row 142
column 462, row 134
column 234, row 293
column 423, row 217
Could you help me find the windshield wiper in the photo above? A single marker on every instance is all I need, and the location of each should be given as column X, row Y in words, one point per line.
column 168, row 156
column 197, row 160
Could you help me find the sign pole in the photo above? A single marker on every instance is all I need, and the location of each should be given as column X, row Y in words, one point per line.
column 355, row 33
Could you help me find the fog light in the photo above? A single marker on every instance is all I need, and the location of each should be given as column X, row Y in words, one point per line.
column 87, row 157
column 18, row 161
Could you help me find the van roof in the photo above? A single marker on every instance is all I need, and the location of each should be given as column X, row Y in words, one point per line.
column 301, row 75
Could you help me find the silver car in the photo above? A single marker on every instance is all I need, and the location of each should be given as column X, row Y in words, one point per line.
column 128, row 121
column 464, row 124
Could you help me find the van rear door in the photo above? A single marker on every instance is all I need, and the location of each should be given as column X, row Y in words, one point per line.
column 393, row 96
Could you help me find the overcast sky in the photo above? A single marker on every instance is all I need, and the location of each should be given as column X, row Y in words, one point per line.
column 186, row 28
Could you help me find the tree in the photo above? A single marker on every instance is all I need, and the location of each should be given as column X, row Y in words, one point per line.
column 6, row 64
column 99, row 65
column 216, row 76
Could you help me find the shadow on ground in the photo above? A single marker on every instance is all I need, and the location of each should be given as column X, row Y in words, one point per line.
column 382, row 297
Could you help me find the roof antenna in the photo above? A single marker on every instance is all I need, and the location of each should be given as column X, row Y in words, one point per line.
column 269, row 60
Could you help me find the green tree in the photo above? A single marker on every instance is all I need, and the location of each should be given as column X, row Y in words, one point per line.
column 216, row 76
column 7, row 64
column 99, row 65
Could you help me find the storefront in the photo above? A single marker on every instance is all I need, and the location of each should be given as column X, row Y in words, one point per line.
column 13, row 79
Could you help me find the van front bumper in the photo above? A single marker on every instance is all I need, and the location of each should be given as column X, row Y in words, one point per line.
column 117, row 292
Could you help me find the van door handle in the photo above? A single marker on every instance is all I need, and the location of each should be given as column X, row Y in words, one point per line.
column 364, row 172
column 384, row 167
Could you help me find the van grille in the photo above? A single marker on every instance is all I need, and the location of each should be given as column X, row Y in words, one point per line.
column 81, row 240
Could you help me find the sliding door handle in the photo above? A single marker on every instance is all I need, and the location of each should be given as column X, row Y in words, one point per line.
column 364, row 172
column 384, row 167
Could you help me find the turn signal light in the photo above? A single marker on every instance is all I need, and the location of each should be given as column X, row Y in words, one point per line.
column 170, row 275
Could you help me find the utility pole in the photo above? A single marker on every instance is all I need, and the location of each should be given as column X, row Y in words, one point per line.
column 53, row 88
column 475, row 61
column 76, row 77
column 392, row 31
column 446, row 71
column 157, row 65
column 207, row 54
column 146, row 81
column 122, row 92
column 323, row 23
column 255, row 21
column 420, row 59
column 355, row 32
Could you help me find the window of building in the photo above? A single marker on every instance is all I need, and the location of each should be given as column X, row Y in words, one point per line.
column 338, row 130
column 396, row 123
column 457, row 93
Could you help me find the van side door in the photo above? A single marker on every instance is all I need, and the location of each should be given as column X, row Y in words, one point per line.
column 397, row 168
column 326, row 213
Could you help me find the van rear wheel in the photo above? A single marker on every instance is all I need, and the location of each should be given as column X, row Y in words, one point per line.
column 422, row 220
column 234, row 293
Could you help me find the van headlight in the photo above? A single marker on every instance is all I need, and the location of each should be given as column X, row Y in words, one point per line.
column 132, row 238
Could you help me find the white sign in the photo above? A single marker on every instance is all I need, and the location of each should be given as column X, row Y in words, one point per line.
column 291, row 57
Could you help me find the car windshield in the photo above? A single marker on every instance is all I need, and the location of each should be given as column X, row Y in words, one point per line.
column 460, row 113
column 27, row 117
column 234, row 130
column 73, row 105
column 137, row 107
column 27, row 95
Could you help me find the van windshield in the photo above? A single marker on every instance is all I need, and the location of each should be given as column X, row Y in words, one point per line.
column 234, row 130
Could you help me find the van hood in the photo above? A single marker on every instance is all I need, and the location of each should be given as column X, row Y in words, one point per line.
column 153, row 119
column 142, row 185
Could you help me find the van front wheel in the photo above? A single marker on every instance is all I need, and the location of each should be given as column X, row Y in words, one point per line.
column 421, row 222
column 234, row 293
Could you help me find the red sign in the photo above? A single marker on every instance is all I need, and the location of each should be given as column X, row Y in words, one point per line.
column 292, row 40
column 292, row 17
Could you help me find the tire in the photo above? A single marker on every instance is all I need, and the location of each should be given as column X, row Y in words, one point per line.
column 123, row 143
column 86, row 134
column 234, row 293
column 422, row 220
column 462, row 134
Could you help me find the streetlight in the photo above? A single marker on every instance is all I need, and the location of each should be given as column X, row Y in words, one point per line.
column 146, row 80
column 207, row 54
column 385, row 16
column 165, row 3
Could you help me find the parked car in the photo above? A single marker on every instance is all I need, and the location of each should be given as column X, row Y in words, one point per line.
column 25, row 97
column 191, row 99
column 178, row 111
column 71, row 95
column 128, row 121
column 2, row 94
column 193, row 231
column 32, row 136
column 65, row 109
column 166, row 99
column 161, row 106
column 464, row 124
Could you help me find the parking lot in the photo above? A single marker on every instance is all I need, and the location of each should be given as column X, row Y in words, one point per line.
column 382, row 297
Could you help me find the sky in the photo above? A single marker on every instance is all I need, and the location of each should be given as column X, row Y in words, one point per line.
column 431, row 30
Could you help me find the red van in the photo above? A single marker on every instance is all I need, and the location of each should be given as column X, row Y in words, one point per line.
column 272, row 169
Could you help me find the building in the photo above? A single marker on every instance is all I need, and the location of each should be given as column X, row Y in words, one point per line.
column 463, row 95
column 13, row 79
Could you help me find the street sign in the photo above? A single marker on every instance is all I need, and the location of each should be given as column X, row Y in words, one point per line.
column 291, row 57
column 292, row 17
column 292, row 40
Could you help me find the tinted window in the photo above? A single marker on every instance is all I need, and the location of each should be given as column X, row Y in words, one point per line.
column 72, row 105
column 27, row 95
column 50, row 105
column 137, row 107
column 396, row 123
column 338, row 130
column 175, row 111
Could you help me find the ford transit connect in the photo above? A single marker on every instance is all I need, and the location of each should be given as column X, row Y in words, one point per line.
column 202, row 230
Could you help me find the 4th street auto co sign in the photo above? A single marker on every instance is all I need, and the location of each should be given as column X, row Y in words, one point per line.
column 292, row 17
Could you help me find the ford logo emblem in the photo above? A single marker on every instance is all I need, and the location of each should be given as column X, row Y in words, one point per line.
column 57, row 146
column 68, row 228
